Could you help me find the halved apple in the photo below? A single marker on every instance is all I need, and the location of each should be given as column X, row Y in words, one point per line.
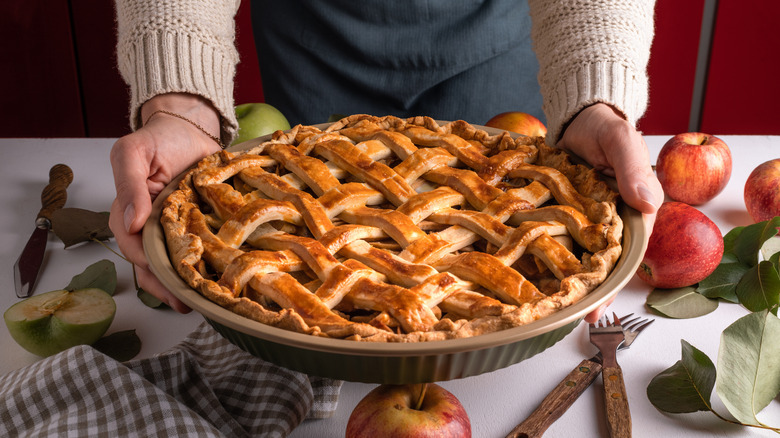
column 51, row 322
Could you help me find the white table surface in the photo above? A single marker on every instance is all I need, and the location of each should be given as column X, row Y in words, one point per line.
column 495, row 401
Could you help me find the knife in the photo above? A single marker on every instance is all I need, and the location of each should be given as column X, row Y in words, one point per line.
column 53, row 198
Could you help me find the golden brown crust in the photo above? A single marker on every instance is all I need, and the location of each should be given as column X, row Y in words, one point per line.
column 388, row 229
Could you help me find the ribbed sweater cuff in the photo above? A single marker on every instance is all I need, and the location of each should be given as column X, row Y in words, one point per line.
column 607, row 82
column 165, row 62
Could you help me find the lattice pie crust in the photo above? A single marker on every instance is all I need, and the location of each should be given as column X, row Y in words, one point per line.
column 388, row 229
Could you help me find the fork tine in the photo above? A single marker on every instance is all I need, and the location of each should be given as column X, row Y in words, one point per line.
column 628, row 325
column 642, row 326
column 638, row 326
column 630, row 321
column 615, row 319
column 604, row 320
column 642, row 321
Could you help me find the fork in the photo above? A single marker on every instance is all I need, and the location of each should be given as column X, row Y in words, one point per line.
column 607, row 336
column 573, row 385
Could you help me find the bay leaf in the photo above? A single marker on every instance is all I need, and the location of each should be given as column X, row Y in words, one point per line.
column 121, row 346
column 729, row 239
column 722, row 282
column 749, row 365
column 76, row 225
column 775, row 260
column 686, row 386
column 729, row 257
column 680, row 303
column 101, row 274
column 148, row 299
column 748, row 243
column 759, row 288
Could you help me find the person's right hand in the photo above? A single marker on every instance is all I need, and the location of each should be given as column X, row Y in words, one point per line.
column 602, row 136
column 145, row 161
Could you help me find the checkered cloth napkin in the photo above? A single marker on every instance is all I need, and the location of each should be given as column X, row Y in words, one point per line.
column 205, row 386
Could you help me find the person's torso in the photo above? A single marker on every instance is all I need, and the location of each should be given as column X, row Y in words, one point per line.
column 453, row 59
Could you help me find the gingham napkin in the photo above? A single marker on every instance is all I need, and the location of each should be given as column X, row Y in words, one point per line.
column 205, row 386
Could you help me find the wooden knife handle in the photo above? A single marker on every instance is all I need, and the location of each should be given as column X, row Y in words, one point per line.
column 616, row 403
column 558, row 400
column 54, row 195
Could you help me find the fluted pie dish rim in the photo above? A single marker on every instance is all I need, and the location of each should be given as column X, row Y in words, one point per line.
column 393, row 362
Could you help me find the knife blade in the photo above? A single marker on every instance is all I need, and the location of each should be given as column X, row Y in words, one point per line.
column 53, row 197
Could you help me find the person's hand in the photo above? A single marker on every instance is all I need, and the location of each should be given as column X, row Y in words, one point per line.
column 602, row 137
column 145, row 161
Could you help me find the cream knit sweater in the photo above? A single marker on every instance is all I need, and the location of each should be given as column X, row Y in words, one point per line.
column 166, row 46
column 589, row 51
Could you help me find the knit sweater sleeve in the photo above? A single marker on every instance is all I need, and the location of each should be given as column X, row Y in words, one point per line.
column 591, row 51
column 184, row 46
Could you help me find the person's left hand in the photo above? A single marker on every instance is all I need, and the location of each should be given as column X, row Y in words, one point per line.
column 145, row 161
column 602, row 137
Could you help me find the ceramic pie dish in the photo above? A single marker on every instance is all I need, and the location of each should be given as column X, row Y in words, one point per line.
column 380, row 362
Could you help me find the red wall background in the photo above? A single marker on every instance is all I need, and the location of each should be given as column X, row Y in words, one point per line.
column 59, row 76
column 672, row 66
column 743, row 86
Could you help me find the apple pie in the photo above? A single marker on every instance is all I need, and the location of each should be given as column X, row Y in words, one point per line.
column 389, row 229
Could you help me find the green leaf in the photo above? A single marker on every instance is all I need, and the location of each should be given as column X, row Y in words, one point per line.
column 759, row 288
column 775, row 260
column 76, row 225
column 729, row 239
column 101, row 275
column 729, row 257
column 686, row 386
column 683, row 302
column 752, row 238
column 749, row 365
column 722, row 282
column 121, row 346
column 148, row 299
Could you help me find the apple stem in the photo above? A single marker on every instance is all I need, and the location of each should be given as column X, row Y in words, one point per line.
column 420, row 399
column 704, row 140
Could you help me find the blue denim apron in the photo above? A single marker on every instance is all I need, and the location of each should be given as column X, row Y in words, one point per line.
column 448, row 59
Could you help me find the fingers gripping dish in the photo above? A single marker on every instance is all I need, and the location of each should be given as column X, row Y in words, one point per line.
column 388, row 229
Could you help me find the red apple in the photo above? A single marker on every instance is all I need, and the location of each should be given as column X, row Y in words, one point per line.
column 762, row 191
column 398, row 411
column 518, row 122
column 693, row 167
column 684, row 247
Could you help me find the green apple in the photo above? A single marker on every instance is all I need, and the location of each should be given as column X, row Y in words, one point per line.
column 48, row 323
column 258, row 119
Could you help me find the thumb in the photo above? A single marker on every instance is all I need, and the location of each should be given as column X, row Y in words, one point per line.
column 639, row 187
column 637, row 183
column 132, row 192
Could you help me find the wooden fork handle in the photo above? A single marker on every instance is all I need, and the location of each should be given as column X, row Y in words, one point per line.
column 616, row 403
column 558, row 400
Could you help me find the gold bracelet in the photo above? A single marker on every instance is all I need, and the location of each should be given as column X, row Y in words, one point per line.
column 200, row 128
